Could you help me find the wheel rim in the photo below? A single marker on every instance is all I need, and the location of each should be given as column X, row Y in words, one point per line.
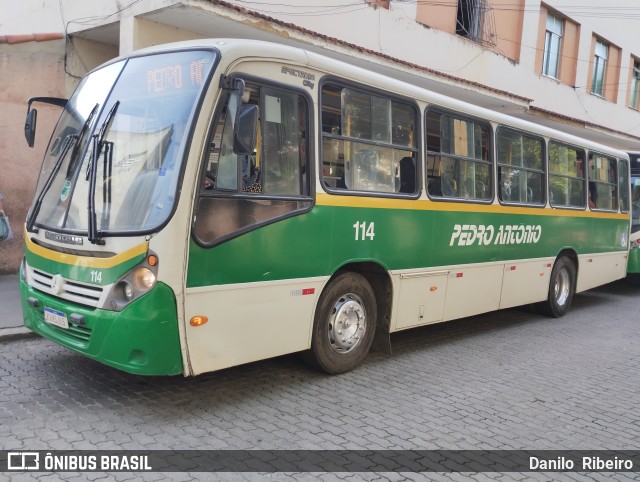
column 347, row 323
column 562, row 287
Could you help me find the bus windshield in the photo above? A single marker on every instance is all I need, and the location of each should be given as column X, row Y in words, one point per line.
column 134, row 117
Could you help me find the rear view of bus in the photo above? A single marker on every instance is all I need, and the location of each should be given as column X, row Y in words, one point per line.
column 106, row 193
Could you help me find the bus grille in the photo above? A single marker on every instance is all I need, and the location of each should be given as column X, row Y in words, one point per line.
column 56, row 285
column 77, row 332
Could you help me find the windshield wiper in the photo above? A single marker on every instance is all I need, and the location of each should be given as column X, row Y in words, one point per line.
column 76, row 150
column 69, row 140
column 93, row 235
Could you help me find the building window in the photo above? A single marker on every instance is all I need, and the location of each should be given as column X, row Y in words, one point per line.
column 552, row 44
column 469, row 18
column 634, row 100
column 599, row 68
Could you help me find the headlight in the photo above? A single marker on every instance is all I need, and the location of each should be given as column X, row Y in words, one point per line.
column 144, row 279
column 633, row 244
column 136, row 283
column 127, row 290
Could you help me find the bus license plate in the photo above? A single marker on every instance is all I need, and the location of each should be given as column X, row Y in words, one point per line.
column 55, row 317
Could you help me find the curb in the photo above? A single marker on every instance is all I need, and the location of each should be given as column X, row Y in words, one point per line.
column 18, row 333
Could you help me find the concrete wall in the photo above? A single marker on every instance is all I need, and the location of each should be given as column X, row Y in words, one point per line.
column 83, row 56
column 147, row 33
column 27, row 69
column 32, row 16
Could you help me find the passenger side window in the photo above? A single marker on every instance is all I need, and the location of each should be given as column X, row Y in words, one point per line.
column 458, row 160
column 368, row 142
column 239, row 192
column 603, row 181
column 520, row 167
column 566, row 176
column 623, row 182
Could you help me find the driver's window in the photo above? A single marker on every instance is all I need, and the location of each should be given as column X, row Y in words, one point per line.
column 222, row 166
column 225, row 167
column 278, row 165
column 239, row 192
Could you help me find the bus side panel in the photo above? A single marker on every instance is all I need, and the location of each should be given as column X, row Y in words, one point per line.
column 609, row 262
column 421, row 298
column 472, row 290
column 598, row 269
column 250, row 322
column 258, row 292
column 525, row 282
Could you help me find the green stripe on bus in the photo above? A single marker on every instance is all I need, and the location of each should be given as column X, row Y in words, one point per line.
column 318, row 243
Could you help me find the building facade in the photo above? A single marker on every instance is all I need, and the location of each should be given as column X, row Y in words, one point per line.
column 576, row 68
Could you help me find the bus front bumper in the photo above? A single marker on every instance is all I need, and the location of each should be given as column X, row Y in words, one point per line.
column 142, row 339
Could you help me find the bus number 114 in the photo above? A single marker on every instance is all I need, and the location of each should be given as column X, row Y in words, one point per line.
column 364, row 230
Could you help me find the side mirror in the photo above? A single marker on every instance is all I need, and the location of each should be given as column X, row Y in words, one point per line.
column 30, row 126
column 246, row 129
column 32, row 115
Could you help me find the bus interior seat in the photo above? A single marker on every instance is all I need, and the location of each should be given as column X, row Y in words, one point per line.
column 447, row 185
column 407, row 175
column 505, row 192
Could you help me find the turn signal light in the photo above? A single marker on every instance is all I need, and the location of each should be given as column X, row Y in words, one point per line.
column 198, row 320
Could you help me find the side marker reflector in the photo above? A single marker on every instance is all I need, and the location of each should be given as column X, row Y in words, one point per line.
column 198, row 320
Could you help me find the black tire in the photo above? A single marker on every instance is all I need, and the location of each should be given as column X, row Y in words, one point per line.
column 562, row 287
column 344, row 324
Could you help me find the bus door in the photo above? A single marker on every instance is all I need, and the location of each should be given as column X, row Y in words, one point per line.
column 250, row 234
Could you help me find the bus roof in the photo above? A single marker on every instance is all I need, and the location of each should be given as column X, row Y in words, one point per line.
column 244, row 48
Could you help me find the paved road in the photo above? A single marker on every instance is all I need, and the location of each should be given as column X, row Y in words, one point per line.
column 10, row 310
column 505, row 380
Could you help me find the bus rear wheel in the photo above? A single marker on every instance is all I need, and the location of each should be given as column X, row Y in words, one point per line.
column 344, row 324
column 562, row 287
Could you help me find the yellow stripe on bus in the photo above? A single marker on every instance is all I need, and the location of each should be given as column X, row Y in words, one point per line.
column 427, row 205
column 85, row 261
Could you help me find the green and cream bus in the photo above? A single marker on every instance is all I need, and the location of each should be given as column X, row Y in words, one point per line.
column 211, row 203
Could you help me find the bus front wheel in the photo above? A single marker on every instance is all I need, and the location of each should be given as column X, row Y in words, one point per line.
column 562, row 286
column 344, row 324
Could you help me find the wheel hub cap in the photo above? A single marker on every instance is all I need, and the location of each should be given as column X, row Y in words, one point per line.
column 561, row 288
column 347, row 324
